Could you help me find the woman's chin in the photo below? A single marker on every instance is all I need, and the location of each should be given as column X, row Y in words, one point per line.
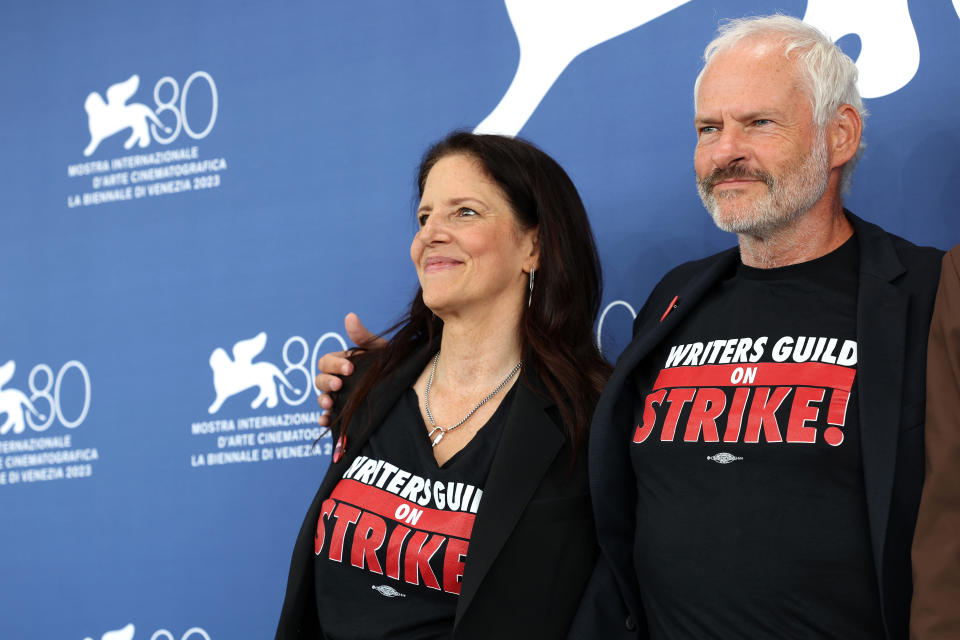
column 436, row 304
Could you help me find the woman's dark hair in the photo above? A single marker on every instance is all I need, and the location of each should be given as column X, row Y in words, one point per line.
column 557, row 327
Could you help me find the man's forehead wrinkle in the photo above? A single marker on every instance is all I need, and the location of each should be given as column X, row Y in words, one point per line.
column 761, row 47
column 787, row 71
column 768, row 44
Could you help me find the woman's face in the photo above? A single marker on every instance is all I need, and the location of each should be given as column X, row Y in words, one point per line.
column 470, row 253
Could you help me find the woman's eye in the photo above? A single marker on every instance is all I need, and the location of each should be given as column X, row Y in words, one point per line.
column 422, row 219
column 465, row 211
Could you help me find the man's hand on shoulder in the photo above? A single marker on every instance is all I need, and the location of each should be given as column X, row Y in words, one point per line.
column 335, row 364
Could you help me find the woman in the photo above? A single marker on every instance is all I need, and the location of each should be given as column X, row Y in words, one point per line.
column 456, row 503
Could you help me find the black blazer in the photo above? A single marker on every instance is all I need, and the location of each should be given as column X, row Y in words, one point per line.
column 897, row 284
column 533, row 544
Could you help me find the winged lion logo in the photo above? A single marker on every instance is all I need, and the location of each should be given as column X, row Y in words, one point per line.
column 104, row 119
column 13, row 402
column 231, row 376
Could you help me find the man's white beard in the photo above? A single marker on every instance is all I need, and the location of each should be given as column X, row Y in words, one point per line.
column 788, row 196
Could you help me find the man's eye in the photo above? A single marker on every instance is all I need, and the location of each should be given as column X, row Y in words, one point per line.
column 762, row 122
column 707, row 129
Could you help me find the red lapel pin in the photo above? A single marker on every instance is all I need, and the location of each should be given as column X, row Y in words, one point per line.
column 339, row 448
column 670, row 307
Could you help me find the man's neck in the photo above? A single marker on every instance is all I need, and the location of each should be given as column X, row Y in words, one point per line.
column 814, row 234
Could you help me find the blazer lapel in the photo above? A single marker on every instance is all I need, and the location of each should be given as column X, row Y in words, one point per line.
column 659, row 325
column 298, row 603
column 528, row 446
column 611, row 474
column 369, row 416
column 881, row 330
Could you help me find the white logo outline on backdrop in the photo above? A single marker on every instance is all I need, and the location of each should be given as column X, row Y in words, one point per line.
column 105, row 119
column 13, row 402
column 231, row 377
column 552, row 33
column 124, row 633
column 889, row 51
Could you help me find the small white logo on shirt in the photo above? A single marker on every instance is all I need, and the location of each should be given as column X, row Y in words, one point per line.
column 387, row 590
column 724, row 458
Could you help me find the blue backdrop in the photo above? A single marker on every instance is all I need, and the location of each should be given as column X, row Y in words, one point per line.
column 194, row 195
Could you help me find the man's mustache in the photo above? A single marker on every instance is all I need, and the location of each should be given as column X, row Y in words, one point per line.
column 736, row 172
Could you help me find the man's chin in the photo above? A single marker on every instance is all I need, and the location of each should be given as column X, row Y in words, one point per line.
column 731, row 219
column 743, row 222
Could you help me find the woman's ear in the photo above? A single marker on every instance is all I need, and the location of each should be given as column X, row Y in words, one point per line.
column 532, row 260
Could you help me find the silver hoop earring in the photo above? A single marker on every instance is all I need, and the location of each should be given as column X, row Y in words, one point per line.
column 530, row 297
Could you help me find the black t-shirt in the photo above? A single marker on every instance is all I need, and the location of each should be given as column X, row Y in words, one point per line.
column 751, row 512
column 392, row 538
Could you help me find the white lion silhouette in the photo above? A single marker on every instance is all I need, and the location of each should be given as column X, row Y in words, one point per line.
column 126, row 633
column 552, row 33
column 230, row 377
column 13, row 402
column 107, row 118
column 889, row 52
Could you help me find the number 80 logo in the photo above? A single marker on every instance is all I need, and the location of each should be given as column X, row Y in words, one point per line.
column 180, row 112
column 47, row 388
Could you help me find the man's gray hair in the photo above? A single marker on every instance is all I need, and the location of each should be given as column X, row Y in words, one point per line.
column 830, row 76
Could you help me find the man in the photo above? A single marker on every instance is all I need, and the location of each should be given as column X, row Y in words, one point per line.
column 756, row 459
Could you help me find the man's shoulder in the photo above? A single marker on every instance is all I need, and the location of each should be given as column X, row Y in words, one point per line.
column 911, row 255
column 913, row 270
column 915, row 254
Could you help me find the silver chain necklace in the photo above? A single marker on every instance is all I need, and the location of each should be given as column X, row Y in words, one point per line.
column 426, row 402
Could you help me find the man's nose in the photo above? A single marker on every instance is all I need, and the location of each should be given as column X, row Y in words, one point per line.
column 730, row 147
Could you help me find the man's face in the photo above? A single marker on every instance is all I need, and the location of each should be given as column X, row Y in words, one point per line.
column 761, row 161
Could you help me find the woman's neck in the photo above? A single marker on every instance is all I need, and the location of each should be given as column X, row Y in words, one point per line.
column 477, row 354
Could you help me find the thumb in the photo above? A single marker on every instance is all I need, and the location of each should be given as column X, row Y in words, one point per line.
column 360, row 335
